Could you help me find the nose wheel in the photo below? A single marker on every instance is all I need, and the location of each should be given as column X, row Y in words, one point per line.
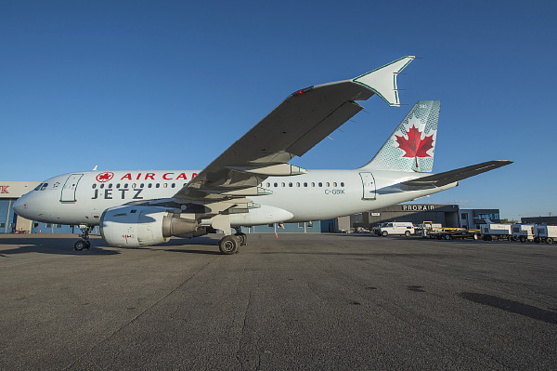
column 84, row 243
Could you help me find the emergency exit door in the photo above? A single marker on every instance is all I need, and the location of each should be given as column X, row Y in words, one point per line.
column 69, row 188
column 369, row 190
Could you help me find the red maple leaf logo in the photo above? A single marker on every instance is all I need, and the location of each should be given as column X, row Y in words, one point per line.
column 415, row 146
column 104, row 177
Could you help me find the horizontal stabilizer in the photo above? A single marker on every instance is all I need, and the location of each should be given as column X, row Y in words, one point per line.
column 448, row 177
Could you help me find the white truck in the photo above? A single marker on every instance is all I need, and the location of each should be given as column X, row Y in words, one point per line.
column 523, row 232
column 395, row 228
column 546, row 233
column 494, row 231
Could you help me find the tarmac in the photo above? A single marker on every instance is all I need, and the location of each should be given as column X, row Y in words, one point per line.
column 299, row 302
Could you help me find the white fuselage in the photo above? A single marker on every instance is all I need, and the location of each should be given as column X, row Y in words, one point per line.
column 81, row 197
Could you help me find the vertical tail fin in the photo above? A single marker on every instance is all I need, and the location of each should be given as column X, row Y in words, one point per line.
column 411, row 146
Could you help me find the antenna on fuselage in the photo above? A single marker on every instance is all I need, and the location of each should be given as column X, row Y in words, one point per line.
column 95, row 168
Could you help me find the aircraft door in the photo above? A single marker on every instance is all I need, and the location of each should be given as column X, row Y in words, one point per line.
column 368, row 183
column 69, row 188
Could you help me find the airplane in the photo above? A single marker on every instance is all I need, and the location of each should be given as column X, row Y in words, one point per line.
column 253, row 182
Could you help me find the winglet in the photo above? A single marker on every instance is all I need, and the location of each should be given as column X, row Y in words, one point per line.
column 383, row 80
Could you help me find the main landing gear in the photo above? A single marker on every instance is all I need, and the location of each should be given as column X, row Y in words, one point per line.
column 229, row 245
column 84, row 243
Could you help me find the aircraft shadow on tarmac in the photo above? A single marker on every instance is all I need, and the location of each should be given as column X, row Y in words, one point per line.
column 511, row 306
column 56, row 246
column 64, row 246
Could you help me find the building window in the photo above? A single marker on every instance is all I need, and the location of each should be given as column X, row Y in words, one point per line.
column 300, row 225
column 310, row 224
column 464, row 216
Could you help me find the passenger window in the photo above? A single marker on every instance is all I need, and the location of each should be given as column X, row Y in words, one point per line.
column 297, row 184
column 165, row 185
column 150, row 185
column 141, row 185
column 282, row 184
column 276, row 185
column 313, row 184
column 290, row 184
column 173, row 185
column 118, row 185
column 305, row 184
column 342, row 184
column 94, row 185
column 110, row 185
column 126, row 185
column 320, row 184
column 334, row 184
column 328, row 184
column 102, row 185
column 158, row 185
column 134, row 185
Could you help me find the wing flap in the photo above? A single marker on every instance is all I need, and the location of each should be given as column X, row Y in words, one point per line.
column 448, row 177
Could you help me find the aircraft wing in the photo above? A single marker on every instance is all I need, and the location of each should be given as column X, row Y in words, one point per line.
column 448, row 177
column 300, row 122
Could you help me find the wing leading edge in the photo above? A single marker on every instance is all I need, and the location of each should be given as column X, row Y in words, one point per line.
column 300, row 122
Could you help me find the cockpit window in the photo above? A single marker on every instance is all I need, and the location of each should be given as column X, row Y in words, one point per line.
column 44, row 186
column 38, row 187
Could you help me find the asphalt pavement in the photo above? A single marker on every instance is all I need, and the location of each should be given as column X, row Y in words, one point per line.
column 299, row 302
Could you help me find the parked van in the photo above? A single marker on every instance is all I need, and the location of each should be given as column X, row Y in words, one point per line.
column 395, row 228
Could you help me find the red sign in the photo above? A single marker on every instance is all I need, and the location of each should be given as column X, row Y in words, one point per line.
column 4, row 189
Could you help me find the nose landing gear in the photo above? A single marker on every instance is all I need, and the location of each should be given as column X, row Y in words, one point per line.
column 84, row 243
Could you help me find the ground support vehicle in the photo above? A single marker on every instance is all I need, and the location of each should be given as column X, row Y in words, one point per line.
column 395, row 228
column 546, row 233
column 494, row 231
column 522, row 232
column 426, row 228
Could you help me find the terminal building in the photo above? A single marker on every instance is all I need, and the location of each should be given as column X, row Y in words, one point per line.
column 447, row 215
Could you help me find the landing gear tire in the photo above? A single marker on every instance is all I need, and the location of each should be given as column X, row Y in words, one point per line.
column 243, row 238
column 81, row 245
column 228, row 245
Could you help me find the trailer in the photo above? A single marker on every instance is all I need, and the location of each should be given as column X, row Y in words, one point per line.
column 456, row 233
column 546, row 233
column 523, row 232
column 494, row 231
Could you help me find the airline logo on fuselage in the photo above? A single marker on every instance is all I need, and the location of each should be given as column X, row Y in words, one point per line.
column 105, row 177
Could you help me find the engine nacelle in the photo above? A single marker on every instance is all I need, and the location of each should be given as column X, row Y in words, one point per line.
column 136, row 226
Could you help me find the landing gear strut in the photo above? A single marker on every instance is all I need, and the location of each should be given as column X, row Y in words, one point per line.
column 84, row 243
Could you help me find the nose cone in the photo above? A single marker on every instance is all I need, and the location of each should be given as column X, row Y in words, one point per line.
column 20, row 206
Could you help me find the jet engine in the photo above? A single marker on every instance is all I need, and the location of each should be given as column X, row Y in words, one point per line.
column 136, row 226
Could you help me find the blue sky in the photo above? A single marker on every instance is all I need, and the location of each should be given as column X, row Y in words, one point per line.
column 171, row 84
